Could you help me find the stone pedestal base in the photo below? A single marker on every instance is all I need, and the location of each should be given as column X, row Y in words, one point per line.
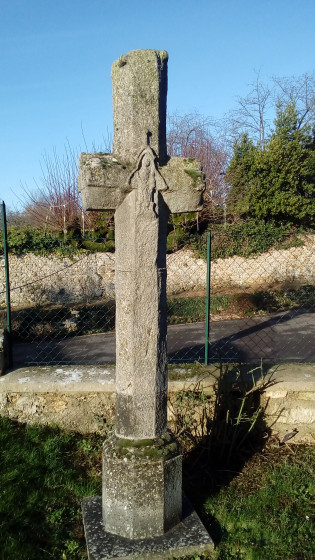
column 187, row 538
column 142, row 486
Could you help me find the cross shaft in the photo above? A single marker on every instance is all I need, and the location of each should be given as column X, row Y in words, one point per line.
column 143, row 185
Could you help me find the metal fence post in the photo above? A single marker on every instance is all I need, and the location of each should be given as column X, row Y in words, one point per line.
column 7, row 277
column 207, row 330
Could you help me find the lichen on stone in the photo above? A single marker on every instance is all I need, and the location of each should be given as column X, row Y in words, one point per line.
column 154, row 449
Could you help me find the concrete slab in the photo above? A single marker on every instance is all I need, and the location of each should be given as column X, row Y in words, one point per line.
column 187, row 538
column 292, row 378
column 80, row 379
column 93, row 379
column 60, row 379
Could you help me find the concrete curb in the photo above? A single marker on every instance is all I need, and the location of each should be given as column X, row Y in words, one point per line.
column 82, row 398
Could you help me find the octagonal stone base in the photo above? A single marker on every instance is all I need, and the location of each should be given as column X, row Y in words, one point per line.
column 142, row 486
column 187, row 538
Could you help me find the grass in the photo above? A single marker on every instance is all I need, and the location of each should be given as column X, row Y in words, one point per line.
column 193, row 309
column 44, row 322
column 44, row 475
column 242, row 304
column 268, row 511
column 255, row 495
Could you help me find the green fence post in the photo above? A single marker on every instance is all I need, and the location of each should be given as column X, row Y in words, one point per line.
column 7, row 277
column 207, row 331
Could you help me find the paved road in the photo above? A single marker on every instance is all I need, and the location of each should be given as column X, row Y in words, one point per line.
column 285, row 336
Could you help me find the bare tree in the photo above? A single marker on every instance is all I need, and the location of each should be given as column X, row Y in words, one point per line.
column 55, row 203
column 195, row 136
column 250, row 116
column 299, row 90
column 255, row 112
column 14, row 218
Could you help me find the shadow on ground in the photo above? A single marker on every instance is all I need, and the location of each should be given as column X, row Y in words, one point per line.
column 220, row 433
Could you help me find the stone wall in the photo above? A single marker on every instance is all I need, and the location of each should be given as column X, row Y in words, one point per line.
column 82, row 398
column 288, row 267
column 36, row 279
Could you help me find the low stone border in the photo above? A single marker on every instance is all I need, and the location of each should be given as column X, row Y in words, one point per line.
column 290, row 401
column 83, row 398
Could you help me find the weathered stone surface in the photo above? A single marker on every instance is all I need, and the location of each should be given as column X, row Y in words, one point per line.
column 139, row 148
column 103, row 170
column 79, row 398
column 185, row 180
column 141, row 311
column 56, row 279
column 139, row 114
column 139, row 103
column 142, row 490
column 188, row 538
column 104, row 181
column 80, row 412
column 292, row 411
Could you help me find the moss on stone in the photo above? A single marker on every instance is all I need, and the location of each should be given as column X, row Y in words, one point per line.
column 151, row 452
column 154, row 449
column 134, row 443
column 195, row 174
column 107, row 162
column 143, row 442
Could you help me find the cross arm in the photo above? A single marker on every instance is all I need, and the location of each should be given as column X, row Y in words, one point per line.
column 186, row 183
column 104, row 181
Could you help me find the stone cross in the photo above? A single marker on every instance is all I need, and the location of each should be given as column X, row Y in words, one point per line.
column 142, row 185
column 142, row 494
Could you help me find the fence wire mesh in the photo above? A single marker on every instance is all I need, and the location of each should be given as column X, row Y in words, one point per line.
column 262, row 307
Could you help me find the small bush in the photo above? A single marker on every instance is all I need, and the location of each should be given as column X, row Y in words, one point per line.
column 30, row 240
column 93, row 246
column 176, row 240
column 245, row 239
column 109, row 246
column 35, row 240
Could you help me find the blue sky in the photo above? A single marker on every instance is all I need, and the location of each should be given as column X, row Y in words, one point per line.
column 56, row 57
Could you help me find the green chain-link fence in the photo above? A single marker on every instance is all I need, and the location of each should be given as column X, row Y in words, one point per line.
column 261, row 307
